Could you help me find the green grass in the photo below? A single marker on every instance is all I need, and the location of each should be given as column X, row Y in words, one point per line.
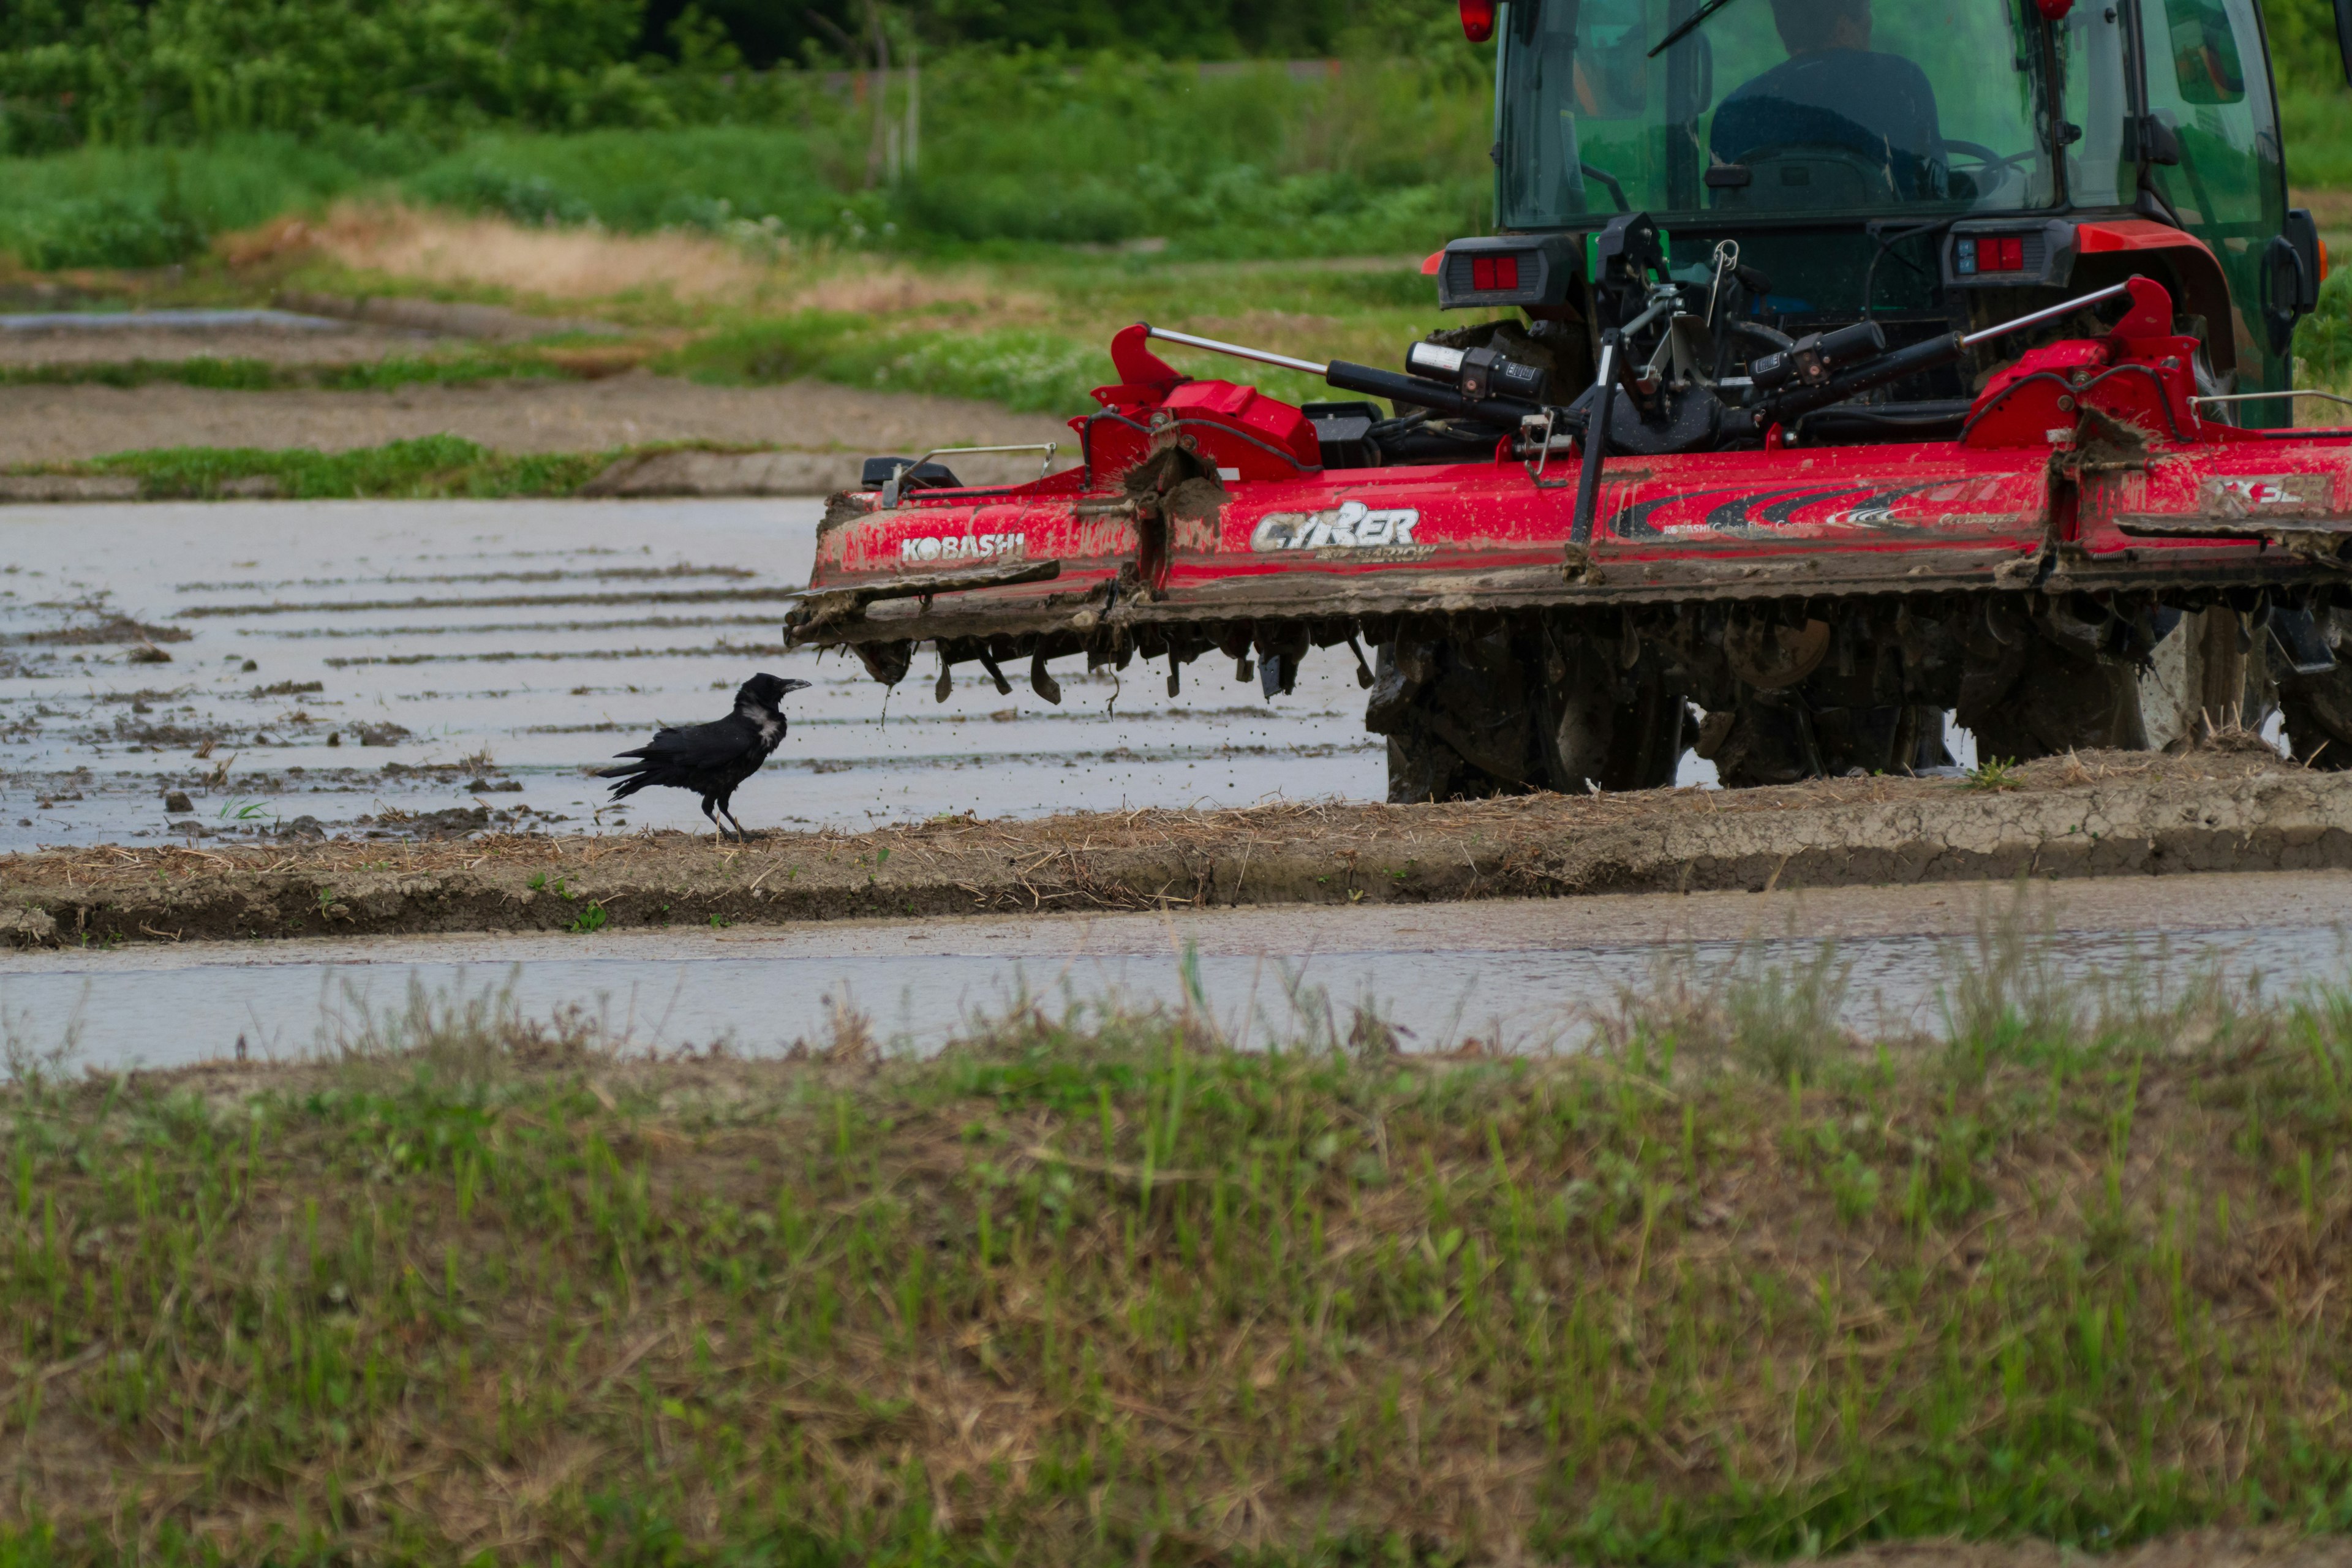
column 260, row 375
column 1993, row 774
column 2317, row 129
column 1018, row 150
column 1094, row 1289
column 432, row 466
column 147, row 206
column 1065, row 309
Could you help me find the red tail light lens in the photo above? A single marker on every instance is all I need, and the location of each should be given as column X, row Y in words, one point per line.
column 1494, row 272
column 1477, row 20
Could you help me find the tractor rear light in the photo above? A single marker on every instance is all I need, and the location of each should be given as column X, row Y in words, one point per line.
column 1990, row 255
column 1974, row 255
column 1494, row 272
column 2006, row 255
column 1505, row 270
column 1477, row 20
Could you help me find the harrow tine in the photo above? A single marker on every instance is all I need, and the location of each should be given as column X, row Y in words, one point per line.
column 1042, row 681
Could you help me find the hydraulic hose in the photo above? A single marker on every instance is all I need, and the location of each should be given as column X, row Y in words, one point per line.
column 1413, row 391
column 1920, row 356
column 1419, row 391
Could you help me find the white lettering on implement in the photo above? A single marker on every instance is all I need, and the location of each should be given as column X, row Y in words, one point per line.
column 2259, row 492
column 1351, row 525
column 963, row 547
column 2270, row 495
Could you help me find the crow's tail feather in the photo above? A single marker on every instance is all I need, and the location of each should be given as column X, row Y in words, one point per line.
column 632, row 781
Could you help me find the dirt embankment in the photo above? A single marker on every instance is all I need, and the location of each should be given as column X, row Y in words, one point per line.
column 2099, row 814
column 61, row 423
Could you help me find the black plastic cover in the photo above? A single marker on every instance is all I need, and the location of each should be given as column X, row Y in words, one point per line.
column 928, row 477
column 1344, row 432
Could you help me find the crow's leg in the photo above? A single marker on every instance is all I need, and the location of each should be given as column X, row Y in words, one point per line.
column 740, row 837
column 718, row 834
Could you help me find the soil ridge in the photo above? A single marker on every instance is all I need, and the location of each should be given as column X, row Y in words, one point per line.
column 2098, row 814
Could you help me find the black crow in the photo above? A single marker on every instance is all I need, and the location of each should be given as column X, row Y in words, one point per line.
column 712, row 759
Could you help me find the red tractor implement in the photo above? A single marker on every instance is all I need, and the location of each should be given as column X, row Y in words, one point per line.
column 1869, row 424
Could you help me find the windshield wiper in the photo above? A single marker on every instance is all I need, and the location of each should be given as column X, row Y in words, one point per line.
column 1687, row 28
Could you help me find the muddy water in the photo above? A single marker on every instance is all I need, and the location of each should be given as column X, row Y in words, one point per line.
column 1514, row 974
column 367, row 665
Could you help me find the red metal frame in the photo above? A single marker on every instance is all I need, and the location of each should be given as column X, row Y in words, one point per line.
column 2088, row 455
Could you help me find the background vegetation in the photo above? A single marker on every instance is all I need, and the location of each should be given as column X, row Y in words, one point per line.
column 1008, row 150
column 1083, row 142
column 133, row 130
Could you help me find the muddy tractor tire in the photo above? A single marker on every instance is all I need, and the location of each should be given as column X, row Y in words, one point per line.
column 1802, row 698
column 2317, row 708
column 1613, row 720
column 1518, row 709
column 2073, row 675
column 1782, row 737
column 2045, row 675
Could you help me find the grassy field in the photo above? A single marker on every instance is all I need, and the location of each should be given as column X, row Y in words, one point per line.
column 1094, row 1289
column 1014, row 150
column 433, row 468
column 1055, row 203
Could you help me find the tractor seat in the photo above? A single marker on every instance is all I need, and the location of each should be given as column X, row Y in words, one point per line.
column 1802, row 177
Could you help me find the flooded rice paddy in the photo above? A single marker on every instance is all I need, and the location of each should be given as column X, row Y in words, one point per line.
column 404, row 668
column 273, row 671
column 1507, row 974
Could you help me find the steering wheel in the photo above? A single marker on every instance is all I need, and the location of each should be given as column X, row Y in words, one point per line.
column 1987, row 159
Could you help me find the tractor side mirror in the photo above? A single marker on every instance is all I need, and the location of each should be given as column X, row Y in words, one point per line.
column 2344, row 36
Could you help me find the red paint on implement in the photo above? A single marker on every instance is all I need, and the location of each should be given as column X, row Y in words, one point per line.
column 1858, row 518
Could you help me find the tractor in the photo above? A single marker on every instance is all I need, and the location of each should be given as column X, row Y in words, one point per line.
column 1845, row 370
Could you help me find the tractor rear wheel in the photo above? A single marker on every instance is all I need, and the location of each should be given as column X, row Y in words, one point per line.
column 1782, row 737
column 1809, row 699
column 1610, row 721
column 1459, row 714
column 2050, row 680
column 1512, row 710
column 2317, row 708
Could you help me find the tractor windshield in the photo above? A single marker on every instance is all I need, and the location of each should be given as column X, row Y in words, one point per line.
column 1769, row 108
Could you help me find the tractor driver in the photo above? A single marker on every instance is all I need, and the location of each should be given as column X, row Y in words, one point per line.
column 1833, row 90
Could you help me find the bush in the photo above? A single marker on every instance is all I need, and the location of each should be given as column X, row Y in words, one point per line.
column 153, row 207
column 1032, row 149
column 90, row 70
column 2323, row 340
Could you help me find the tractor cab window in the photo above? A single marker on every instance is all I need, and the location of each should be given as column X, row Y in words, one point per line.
column 2093, row 56
column 1767, row 107
column 2203, row 52
column 2213, row 153
column 2222, row 160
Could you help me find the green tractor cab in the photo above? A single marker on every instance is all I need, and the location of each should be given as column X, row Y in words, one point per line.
column 1932, row 168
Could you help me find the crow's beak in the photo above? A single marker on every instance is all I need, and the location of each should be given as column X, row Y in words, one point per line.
column 791, row 686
